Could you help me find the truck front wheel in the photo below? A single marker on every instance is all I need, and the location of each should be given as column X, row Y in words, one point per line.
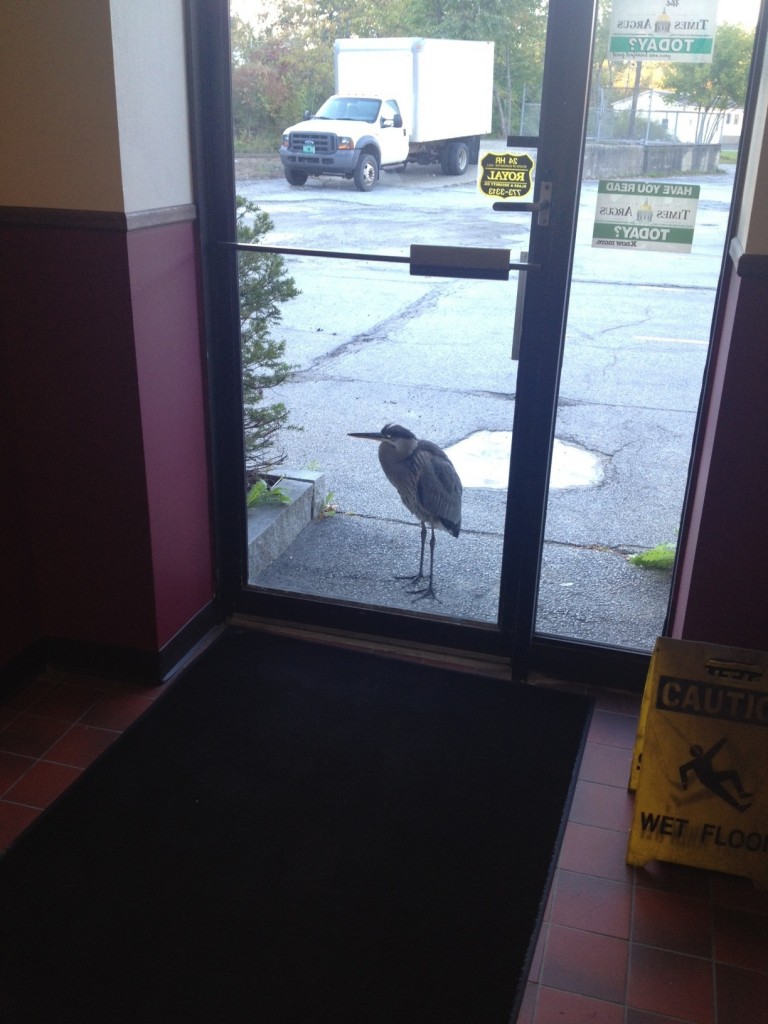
column 296, row 177
column 366, row 173
column 455, row 158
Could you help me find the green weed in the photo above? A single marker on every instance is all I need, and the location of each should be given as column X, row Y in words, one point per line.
column 263, row 494
column 661, row 557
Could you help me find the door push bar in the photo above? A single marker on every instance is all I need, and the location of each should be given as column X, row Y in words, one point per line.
column 463, row 261
column 424, row 260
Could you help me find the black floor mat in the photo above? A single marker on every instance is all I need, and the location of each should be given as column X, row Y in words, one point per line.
column 297, row 833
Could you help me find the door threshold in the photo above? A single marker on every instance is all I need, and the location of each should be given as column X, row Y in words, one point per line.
column 481, row 664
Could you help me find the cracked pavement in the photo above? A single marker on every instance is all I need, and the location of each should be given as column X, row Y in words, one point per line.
column 375, row 345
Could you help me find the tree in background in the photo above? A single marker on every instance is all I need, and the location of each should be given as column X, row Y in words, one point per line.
column 316, row 23
column 717, row 87
column 289, row 58
column 264, row 287
column 519, row 31
column 272, row 80
column 517, row 27
column 284, row 65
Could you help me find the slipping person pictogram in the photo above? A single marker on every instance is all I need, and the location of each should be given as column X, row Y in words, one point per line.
column 716, row 781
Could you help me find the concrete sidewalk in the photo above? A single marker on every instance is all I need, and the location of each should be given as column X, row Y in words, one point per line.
column 357, row 559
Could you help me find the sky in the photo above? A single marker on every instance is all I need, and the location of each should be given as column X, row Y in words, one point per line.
column 742, row 12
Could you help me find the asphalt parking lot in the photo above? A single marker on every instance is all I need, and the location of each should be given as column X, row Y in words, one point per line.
column 373, row 345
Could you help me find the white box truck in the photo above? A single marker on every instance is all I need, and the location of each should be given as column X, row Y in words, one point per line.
column 396, row 101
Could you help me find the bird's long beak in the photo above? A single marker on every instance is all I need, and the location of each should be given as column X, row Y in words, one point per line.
column 376, row 436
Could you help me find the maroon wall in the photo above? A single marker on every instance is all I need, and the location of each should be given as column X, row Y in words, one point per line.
column 105, row 505
column 722, row 591
column 18, row 606
column 164, row 288
column 107, row 413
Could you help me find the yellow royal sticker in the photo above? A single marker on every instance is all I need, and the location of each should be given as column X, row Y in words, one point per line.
column 700, row 764
column 505, row 175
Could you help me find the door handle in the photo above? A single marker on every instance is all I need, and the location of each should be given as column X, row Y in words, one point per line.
column 542, row 206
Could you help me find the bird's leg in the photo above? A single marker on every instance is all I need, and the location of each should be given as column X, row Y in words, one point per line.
column 428, row 590
column 420, row 574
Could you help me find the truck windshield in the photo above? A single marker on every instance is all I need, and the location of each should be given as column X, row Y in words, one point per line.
column 350, row 108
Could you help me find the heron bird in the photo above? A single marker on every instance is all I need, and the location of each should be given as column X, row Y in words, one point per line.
column 427, row 483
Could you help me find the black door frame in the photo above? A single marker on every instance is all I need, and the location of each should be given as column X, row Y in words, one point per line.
column 563, row 123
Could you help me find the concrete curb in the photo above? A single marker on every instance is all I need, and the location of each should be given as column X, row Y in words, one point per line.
column 273, row 527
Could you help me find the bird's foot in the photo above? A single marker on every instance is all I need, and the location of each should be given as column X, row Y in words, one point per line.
column 412, row 579
column 420, row 593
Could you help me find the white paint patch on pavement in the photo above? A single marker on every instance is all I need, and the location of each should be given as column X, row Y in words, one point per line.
column 674, row 341
column 482, row 460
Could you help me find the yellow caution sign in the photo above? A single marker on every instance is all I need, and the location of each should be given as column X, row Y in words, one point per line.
column 700, row 764
column 505, row 175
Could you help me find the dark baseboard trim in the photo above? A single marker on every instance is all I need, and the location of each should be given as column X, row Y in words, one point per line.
column 22, row 666
column 593, row 665
column 150, row 667
column 190, row 642
column 160, row 218
column 747, row 264
column 96, row 220
column 590, row 664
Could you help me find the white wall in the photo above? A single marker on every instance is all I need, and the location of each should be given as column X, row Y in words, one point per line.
column 752, row 229
column 82, row 125
column 150, row 62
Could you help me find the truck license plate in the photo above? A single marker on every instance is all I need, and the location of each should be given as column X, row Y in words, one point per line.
column 309, row 147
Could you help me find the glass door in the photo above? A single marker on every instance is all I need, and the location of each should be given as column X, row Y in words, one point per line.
column 655, row 198
column 409, row 314
column 408, row 291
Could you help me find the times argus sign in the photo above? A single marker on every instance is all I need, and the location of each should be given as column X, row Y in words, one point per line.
column 645, row 215
column 663, row 30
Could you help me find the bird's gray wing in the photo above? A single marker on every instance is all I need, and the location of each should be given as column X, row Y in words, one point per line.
column 439, row 491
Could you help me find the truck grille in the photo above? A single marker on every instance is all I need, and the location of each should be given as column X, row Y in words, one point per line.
column 311, row 143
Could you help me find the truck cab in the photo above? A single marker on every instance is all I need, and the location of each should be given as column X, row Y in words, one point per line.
column 349, row 136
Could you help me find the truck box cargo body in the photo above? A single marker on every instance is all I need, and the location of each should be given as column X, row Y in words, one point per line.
column 396, row 101
column 444, row 87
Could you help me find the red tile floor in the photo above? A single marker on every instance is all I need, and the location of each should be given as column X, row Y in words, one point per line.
column 659, row 945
